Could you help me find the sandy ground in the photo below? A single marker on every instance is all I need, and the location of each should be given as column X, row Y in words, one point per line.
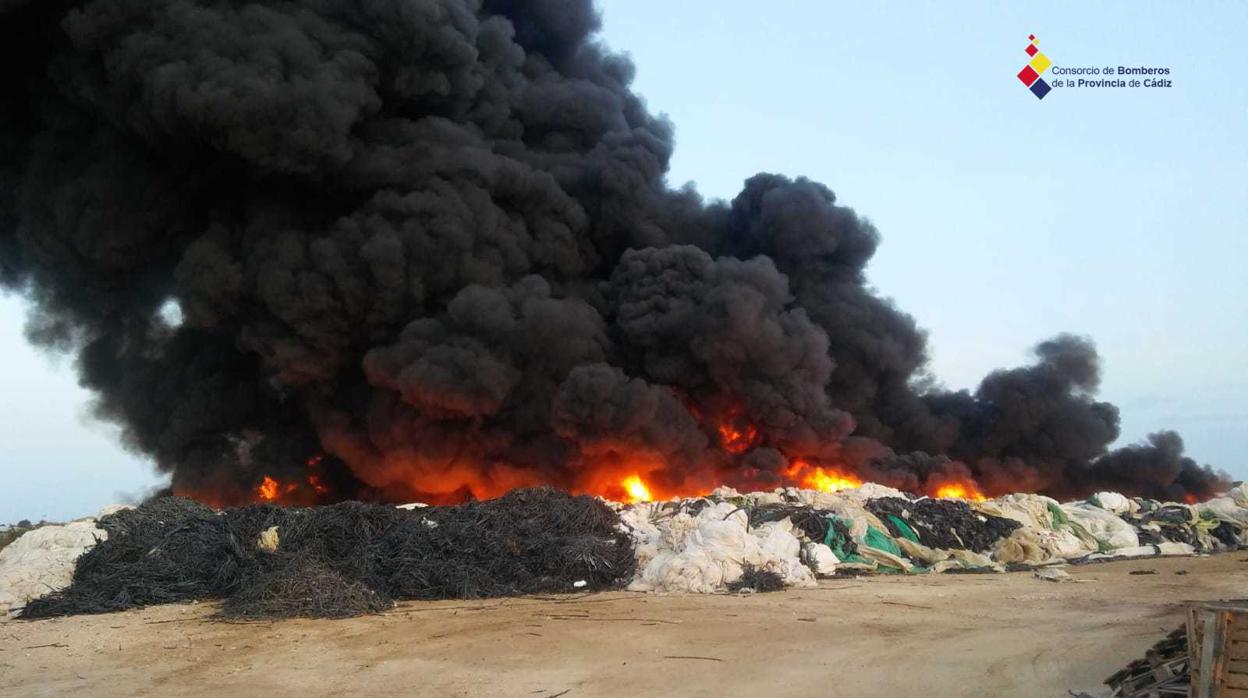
column 946, row 635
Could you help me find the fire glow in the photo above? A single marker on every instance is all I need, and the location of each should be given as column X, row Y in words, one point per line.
column 959, row 490
column 819, row 478
column 737, row 440
column 625, row 480
column 269, row 490
column 273, row 491
column 493, row 288
column 636, row 489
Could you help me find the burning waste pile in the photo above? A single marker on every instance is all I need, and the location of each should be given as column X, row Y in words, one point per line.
column 353, row 558
column 706, row 544
column 426, row 250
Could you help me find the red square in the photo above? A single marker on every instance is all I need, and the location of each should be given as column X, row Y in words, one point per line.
column 1027, row 75
column 1031, row 49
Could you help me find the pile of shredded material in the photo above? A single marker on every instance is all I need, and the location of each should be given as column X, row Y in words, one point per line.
column 353, row 558
column 346, row 559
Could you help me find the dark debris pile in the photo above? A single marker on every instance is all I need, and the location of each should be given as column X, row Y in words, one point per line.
column 754, row 579
column 948, row 524
column 347, row 559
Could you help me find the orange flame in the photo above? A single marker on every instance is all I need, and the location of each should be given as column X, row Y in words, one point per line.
column 821, row 479
column 737, row 441
column 270, row 490
column 636, row 489
column 267, row 490
column 616, row 476
column 960, row 490
column 317, row 486
column 314, row 478
column 813, row 477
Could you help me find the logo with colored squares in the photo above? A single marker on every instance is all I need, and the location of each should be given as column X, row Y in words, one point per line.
column 1030, row 74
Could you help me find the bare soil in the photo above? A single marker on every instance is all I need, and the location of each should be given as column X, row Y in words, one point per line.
column 940, row 635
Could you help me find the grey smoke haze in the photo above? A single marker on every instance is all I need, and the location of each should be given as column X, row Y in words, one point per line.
column 432, row 238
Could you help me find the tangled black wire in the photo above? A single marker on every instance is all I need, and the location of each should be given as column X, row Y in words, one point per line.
column 347, row 559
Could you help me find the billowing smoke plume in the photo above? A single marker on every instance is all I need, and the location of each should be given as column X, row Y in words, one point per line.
column 424, row 248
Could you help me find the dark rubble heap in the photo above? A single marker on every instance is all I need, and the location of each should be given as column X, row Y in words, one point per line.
column 346, row 559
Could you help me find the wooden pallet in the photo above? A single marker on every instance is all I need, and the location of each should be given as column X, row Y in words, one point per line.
column 1162, row 672
column 1217, row 642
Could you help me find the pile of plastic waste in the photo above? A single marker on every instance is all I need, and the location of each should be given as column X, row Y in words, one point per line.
column 267, row 560
column 42, row 561
column 705, row 544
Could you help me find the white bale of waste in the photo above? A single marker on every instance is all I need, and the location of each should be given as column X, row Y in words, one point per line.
column 1064, row 544
column 1105, row 526
column 1224, row 508
column 1166, row 549
column 781, row 553
column 776, row 539
column 820, row 559
column 704, row 553
column 635, row 521
column 1031, row 510
column 42, row 561
column 1114, row 502
column 1239, row 494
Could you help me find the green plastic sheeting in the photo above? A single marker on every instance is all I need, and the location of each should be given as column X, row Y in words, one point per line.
column 881, row 541
column 834, row 540
column 904, row 527
column 875, row 538
column 1059, row 516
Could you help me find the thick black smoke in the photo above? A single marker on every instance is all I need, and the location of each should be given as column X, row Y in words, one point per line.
column 433, row 239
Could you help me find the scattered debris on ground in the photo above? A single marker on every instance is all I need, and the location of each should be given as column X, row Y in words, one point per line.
column 1207, row 656
column 1052, row 574
column 1163, row 671
column 757, row 580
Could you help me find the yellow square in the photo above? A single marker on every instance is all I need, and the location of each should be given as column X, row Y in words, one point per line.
column 1040, row 63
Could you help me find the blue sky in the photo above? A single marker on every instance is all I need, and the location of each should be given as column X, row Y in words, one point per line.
column 1121, row 214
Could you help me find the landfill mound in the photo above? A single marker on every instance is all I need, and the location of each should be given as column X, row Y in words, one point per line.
column 707, row 544
column 353, row 558
column 346, row 559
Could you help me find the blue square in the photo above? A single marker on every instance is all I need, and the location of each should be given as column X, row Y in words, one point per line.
column 1040, row 88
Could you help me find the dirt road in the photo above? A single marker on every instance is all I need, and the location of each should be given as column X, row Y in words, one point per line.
column 946, row 635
